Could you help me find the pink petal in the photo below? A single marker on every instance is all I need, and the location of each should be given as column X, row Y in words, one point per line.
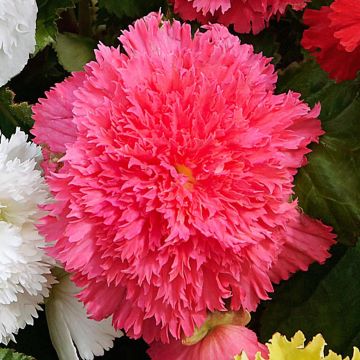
column 53, row 116
column 306, row 240
column 221, row 343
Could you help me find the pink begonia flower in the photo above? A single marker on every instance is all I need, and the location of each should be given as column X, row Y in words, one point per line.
column 173, row 196
column 222, row 337
column 333, row 38
column 245, row 15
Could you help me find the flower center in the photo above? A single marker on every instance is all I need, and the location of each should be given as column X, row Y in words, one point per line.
column 184, row 170
column 2, row 213
column 215, row 319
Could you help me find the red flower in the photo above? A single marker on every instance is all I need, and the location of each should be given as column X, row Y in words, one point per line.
column 245, row 15
column 334, row 38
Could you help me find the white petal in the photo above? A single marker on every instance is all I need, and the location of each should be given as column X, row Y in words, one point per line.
column 17, row 36
column 25, row 276
column 18, row 147
column 69, row 325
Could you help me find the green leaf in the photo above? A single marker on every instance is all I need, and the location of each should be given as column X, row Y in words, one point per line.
column 74, row 51
column 130, row 8
column 13, row 114
column 44, row 35
column 7, row 354
column 328, row 188
column 326, row 300
column 46, row 29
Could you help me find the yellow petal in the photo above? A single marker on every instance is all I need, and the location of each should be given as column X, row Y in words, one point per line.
column 356, row 355
column 243, row 356
column 333, row 356
column 280, row 348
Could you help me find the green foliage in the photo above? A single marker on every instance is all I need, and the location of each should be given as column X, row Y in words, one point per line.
column 13, row 114
column 281, row 40
column 7, row 354
column 130, row 8
column 265, row 42
column 74, row 51
column 316, row 4
column 46, row 28
column 328, row 188
column 323, row 300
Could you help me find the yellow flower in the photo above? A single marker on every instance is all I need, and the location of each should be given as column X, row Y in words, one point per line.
column 282, row 349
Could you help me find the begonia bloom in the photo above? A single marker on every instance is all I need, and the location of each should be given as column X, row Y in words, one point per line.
column 246, row 15
column 173, row 196
column 25, row 276
column 280, row 348
column 333, row 38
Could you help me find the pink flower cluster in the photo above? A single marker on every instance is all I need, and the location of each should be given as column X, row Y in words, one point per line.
column 333, row 38
column 174, row 195
column 245, row 15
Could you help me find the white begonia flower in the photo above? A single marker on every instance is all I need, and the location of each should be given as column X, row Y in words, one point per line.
column 69, row 325
column 17, row 36
column 25, row 276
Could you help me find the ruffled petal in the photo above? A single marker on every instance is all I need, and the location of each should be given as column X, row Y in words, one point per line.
column 306, row 241
column 331, row 42
column 53, row 115
column 246, row 15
